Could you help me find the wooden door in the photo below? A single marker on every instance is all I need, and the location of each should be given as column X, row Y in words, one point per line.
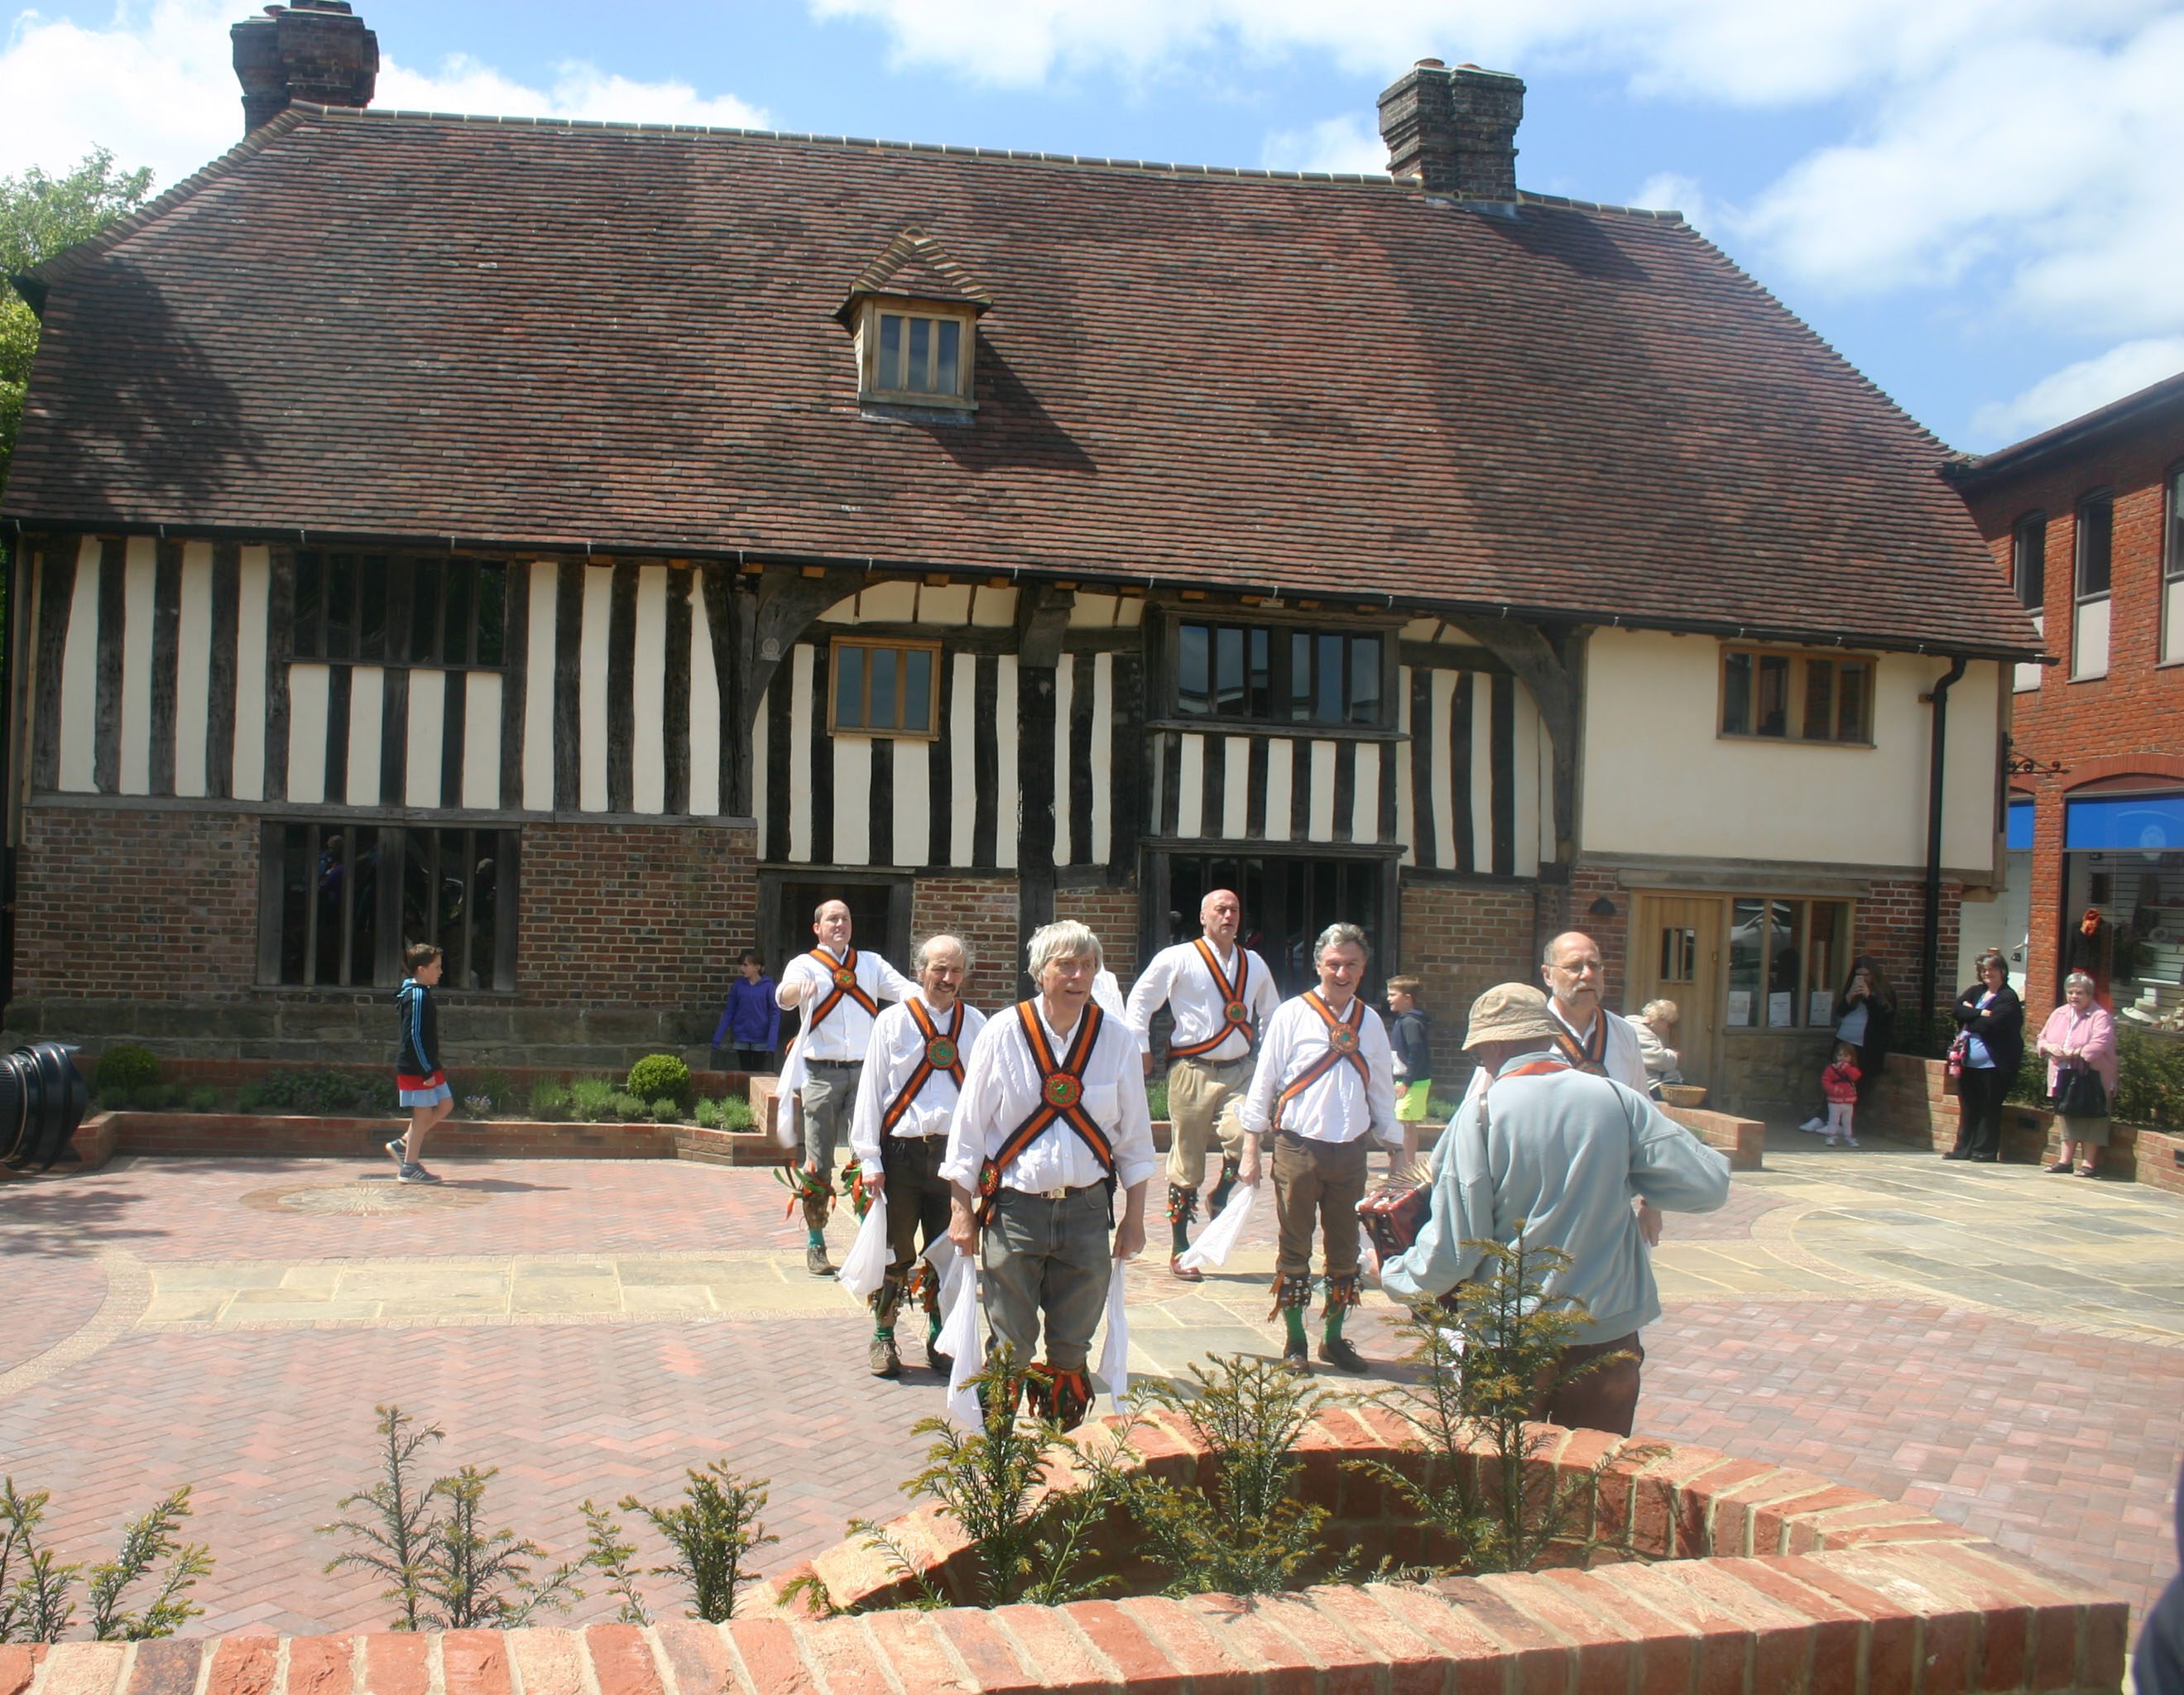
column 1676, row 956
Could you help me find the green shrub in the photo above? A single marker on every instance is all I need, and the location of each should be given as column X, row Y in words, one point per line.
column 588, row 1097
column 157, row 1097
column 736, row 1115
column 661, row 1077
column 379, row 1097
column 124, row 1069
column 707, row 1113
column 550, row 1100
column 623, row 1107
column 666, row 1112
column 1157, row 1096
column 2149, row 1078
column 493, row 1086
column 203, row 1101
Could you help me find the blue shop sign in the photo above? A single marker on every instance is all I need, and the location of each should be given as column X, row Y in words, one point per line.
column 2017, row 838
column 2122, row 823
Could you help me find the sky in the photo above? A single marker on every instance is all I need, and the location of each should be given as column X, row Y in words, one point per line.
column 1979, row 203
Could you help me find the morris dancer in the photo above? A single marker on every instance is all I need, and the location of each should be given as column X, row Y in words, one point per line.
column 1215, row 990
column 1326, row 1077
column 905, row 1103
column 1052, row 1119
column 844, row 988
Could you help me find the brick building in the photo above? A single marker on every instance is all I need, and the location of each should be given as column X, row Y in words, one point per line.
column 587, row 545
column 2086, row 521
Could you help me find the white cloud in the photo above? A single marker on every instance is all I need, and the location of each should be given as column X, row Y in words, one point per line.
column 157, row 85
column 1337, row 144
column 2078, row 388
column 1671, row 191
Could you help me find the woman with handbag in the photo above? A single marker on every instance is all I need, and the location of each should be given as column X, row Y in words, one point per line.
column 2079, row 1043
column 1989, row 1047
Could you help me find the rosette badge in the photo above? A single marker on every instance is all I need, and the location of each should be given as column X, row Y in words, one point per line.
column 1238, row 1012
column 1062, row 1091
column 1343, row 1039
column 844, row 978
column 940, row 1053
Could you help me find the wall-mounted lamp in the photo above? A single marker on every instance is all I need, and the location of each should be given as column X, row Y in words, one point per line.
column 1602, row 907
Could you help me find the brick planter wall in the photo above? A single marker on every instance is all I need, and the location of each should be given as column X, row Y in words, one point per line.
column 1767, row 1581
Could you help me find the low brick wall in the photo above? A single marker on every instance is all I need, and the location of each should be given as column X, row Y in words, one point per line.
column 1764, row 1580
column 1743, row 1139
column 1915, row 1102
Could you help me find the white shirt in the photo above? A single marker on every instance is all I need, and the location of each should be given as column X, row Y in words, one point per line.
column 1178, row 976
column 1107, row 995
column 898, row 1049
column 1626, row 1062
column 1340, row 1105
column 1001, row 1089
column 847, row 1031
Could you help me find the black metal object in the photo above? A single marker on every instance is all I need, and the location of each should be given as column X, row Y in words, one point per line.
column 42, row 1097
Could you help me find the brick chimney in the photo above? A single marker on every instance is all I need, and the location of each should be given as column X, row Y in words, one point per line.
column 315, row 50
column 1454, row 131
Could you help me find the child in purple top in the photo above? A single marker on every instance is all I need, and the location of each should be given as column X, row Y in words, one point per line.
column 750, row 1017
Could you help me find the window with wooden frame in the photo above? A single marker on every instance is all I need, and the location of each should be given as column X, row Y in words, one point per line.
column 342, row 899
column 2028, row 560
column 916, row 353
column 2090, row 610
column 1787, row 959
column 377, row 608
column 884, row 689
column 2172, row 567
column 1280, row 675
column 1788, row 695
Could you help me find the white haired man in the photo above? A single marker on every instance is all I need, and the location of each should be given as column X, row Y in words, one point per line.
column 1548, row 1151
column 1217, row 991
column 1326, row 1085
column 844, row 989
column 905, row 1102
column 1052, row 1121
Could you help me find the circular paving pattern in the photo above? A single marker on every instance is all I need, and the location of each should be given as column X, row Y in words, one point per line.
column 351, row 1200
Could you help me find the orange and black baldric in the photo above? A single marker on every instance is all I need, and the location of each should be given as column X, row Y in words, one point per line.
column 1343, row 1047
column 843, row 975
column 1236, row 1015
column 941, row 1056
column 1060, row 1100
column 1589, row 1054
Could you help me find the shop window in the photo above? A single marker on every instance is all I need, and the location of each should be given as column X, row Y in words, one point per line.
column 885, row 688
column 1787, row 957
column 380, row 609
column 1301, row 676
column 2089, row 622
column 2172, row 568
column 1793, row 696
column 348, row 897
column 2028, row 571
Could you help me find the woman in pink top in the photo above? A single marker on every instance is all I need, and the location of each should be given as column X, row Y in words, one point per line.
column 2079, row 1032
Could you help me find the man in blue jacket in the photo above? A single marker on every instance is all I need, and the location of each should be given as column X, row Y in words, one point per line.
column 1557, row 1153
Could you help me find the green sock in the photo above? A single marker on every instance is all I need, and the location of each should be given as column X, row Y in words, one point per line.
column 1335, row 1325
column 1179, row 1232
column 887, row 1330
column 816, row 1238
column 1293, row 1318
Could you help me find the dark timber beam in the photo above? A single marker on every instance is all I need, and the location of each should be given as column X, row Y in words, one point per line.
column 1042, row 620
column 755, row 623
column 1552, row 669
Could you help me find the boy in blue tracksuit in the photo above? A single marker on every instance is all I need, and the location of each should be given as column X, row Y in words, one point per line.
column 423, row 1086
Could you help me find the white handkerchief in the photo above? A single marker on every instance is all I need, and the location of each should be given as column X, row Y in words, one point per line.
column 959, row 1341
column 1217, row 1238
column 1368, row 1257
column 866, row 1269
column 1115, row 1351
column 940, row 1253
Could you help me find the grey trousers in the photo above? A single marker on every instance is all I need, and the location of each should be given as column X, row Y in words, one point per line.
column 1046, row 1256
column 829, row 1098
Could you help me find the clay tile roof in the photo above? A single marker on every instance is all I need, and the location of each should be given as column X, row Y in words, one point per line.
column 554, row 335
column 916, row 265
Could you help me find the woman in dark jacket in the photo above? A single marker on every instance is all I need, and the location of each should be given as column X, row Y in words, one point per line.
column 1993, row 1020
column 1865, row 1016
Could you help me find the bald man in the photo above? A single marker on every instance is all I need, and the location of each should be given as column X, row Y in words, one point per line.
column 1220, row 996
column 843, row 987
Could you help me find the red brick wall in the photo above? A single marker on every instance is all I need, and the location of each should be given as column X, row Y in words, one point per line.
column 645, row 915
column 150, row 905
column 2130, row 723
column 1111, row 915
column 1588, row 883
column 1460, row 939
column 982, row 911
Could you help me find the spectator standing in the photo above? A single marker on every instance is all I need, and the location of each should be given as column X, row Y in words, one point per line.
column 1839, row 1082
column 2080, row 1033
column 1550, row 1153
column 1992, row 1022
column 1865, row 1016
column 751, row 1019
column 1410, row 1031
column 1654, row 1023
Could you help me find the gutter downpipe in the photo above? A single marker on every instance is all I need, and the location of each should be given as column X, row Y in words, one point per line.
column 1938, row 760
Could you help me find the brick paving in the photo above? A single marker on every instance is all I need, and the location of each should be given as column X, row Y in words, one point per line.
column 1844, row 1314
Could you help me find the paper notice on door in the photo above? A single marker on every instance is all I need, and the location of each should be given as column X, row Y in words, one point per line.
column 1739, row 1006
column 1822, row 1008
column 1781, row 1009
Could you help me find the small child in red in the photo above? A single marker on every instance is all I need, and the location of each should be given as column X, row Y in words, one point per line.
column 1839, row 1082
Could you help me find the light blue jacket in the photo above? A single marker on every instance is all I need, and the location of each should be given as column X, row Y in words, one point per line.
column 1563, row 1153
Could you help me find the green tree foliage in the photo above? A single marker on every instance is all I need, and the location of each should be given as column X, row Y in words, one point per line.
column 40, row 215
column 37, row 1590
column 715, row 1533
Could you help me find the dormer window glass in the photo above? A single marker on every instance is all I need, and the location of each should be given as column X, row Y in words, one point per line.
column 919, row 355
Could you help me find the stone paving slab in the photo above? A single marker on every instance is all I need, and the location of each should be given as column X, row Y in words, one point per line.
column 2000, row 1347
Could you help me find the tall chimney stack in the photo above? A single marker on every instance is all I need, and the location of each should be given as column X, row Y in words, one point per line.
column 1455, row 131
column 314, row 50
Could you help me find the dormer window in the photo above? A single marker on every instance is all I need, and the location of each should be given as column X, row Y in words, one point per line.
column 915, row 313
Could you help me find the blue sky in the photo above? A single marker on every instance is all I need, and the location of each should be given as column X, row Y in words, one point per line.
column 1977, row 201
